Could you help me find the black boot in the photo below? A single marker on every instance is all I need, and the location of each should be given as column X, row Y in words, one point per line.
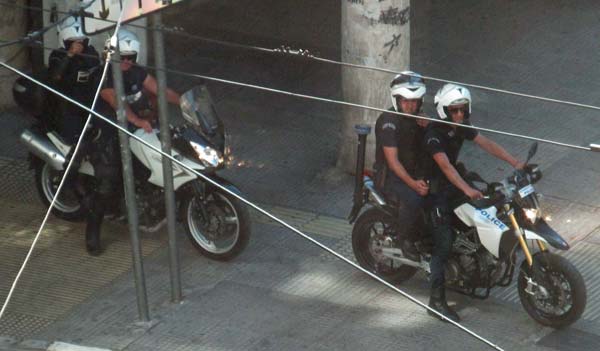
column 92, row 239
column 438, row 302
column 92, row 230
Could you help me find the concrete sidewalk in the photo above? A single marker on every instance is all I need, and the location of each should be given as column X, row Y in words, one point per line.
column 282, row 293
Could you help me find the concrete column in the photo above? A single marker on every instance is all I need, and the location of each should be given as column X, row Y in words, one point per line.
column 12, row 26
column 374, row 33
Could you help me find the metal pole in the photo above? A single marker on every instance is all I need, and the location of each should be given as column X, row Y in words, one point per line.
column 165, row 139
column 362, row 130
column 132, row 215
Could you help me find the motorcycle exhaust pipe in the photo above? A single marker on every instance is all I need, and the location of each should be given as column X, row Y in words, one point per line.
column 41, row 147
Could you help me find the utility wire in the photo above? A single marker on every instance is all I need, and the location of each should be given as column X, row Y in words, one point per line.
column 593, row 147
column 256, row 207
column 38, row 33
column 68, row 168
column 286, row 50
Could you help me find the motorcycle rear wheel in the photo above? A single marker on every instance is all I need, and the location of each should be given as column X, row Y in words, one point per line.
column 372, row 231
column 67, row 206
column 564, row 299
column 225, row 233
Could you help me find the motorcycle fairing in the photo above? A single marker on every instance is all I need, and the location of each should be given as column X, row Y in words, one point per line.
column 152, row 160
column 489, row 228
column 545, row 233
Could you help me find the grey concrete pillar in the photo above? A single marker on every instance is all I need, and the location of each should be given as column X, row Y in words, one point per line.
column 374, row 33
column 12, row 26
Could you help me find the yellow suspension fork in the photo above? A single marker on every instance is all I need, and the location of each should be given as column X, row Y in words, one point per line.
column 520, row 234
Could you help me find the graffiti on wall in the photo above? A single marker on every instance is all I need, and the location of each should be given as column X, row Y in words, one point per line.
column 394, row 43
column 395, row 16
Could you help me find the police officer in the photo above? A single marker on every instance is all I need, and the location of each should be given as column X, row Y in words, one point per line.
column 399, row 152
column 443, row 142
column 73, row 71
column 104, row 156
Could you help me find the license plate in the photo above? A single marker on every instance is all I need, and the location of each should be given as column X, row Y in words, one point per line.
column 527, row 190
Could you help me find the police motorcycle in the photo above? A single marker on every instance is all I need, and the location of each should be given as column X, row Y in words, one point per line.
column 217, row 223
column 490, row 235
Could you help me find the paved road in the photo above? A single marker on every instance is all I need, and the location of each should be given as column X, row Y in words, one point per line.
column 283, row 293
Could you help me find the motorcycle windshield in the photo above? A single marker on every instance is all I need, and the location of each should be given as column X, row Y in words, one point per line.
column 199, row 111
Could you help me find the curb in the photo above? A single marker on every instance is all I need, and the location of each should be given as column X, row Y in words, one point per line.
column 12, row 344
column 61, row 346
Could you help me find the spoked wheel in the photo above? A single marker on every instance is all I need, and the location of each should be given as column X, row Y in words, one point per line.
column 373, row 232
column 552, row 291
column 68, row 205
column 219, row 227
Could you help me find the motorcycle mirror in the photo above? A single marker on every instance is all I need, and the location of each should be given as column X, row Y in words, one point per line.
column 532, row 151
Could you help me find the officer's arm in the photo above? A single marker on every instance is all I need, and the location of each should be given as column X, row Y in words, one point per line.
column 57, row 67
column 109, row 95
column 152, row 86
column 496, row 150
column 391, row 158
column 450, row 172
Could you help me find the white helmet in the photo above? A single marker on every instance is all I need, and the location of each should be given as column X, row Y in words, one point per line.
column 408, row 85
column 450, row 95
column 70, row 29
column 129, row 43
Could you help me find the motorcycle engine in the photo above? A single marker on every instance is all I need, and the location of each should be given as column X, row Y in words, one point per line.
column 151, row 205
column 470, row 266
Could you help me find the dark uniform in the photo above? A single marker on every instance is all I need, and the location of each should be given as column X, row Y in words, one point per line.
column 407, row 136
column 438, row 206
column 76, row 77
column 104, row 151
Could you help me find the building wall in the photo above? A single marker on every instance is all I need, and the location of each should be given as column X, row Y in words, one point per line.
column 12, row 26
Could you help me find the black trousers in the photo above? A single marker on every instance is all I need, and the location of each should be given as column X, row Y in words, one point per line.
column 104, row 156
column 409, row 202
column 438, row 210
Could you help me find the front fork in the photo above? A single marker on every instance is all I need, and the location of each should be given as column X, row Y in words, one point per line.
column 521, row 235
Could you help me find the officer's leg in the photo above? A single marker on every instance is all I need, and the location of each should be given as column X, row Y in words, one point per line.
column 70, row 129
column 106, row 169
column 409, row 205
column 439, row 218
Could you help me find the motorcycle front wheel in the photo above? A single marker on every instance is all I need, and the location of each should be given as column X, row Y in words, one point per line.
column 373, row 231
column 67, row 206
column 552, row 291
column 218, row 226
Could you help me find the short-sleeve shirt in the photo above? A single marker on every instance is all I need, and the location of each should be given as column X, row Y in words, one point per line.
column 404, row 133
column 444, row 138
column 133, row 86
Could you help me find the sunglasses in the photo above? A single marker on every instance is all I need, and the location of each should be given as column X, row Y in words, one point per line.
column 131, row 57
column 453, row 110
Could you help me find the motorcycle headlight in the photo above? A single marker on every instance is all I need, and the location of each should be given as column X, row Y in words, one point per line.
column 207, row 155
column 532, row 214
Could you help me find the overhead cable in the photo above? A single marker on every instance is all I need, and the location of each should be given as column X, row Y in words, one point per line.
column 256, row 207
column 286, row 50
column 67, row 169
column 349, row 104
